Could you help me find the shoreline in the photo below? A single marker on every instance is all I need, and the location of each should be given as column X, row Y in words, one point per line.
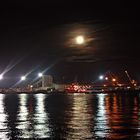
column 64, row 92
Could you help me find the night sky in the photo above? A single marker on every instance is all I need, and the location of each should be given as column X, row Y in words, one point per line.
column 39, row 36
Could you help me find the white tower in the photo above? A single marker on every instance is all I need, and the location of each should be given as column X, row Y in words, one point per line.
column 47, row 81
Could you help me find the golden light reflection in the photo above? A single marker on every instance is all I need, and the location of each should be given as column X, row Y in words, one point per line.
column 117, row 122
column 41, row 126
column 136, row 113
column 23, row 122
column 80, row 124
column 4, row 130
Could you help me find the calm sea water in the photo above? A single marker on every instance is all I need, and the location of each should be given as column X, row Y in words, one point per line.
column 73, row 116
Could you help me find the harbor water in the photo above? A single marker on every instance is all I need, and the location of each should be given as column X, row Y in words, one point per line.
column 70, row 116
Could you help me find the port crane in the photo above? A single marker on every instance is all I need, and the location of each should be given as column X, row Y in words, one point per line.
column 133, row 83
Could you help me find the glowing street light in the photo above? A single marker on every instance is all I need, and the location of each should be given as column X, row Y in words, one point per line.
column 23, row 78
column 80, row 40
column 31, row 86
column 101, row 77
column 113, row 80
column 1, row 76
column 40, row 74
column 106, row 78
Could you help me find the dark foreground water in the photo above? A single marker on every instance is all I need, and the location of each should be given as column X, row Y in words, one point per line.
column 77, row 116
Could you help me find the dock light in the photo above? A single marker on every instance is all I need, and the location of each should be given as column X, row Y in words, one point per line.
column 106, row 78
column 23, row 78
column 40, row 74
column 80, row 40
column 135, row 85
column 1, row 76
column 113, row 80
column 101, row 77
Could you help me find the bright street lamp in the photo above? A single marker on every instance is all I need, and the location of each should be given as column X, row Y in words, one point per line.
column 1, row 76
column 106, row 78
column 101, row 77
column 113, row 80
column 23, row 78
column 40, row 74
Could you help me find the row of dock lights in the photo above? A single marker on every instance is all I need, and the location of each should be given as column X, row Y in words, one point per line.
column 23, row 78
column 101, row 77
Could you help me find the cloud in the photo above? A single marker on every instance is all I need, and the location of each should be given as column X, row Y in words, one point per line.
column 96, row 59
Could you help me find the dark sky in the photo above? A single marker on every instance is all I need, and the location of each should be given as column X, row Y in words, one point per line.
column 39, row 36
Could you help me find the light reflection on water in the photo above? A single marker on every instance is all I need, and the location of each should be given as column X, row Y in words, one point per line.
column 32, row 125
column 101, row 126
column 122, row 114
column 23, row 120
column 78, row 116
column 41, row 126
column 4, row 130
column 80, row 124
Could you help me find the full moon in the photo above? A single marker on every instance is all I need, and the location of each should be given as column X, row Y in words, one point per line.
column 80, row 40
